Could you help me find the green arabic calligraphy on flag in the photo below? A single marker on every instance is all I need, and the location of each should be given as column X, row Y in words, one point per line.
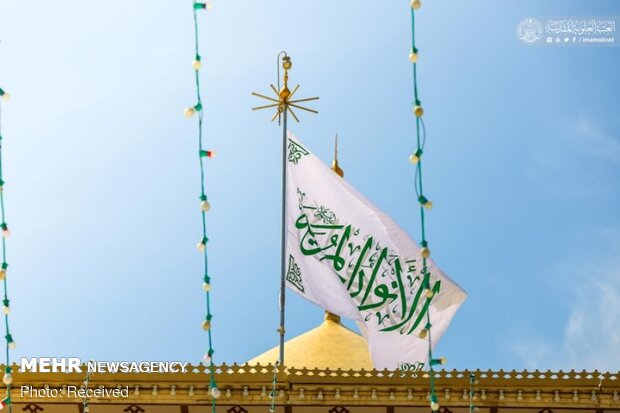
column 349, row 258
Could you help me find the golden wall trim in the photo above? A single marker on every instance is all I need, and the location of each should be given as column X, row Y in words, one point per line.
column 252, row 385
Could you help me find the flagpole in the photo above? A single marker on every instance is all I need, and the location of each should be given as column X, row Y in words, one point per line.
column 283, row 103
column 281, row 330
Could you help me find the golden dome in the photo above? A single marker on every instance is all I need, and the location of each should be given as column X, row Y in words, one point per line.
column 330, row 345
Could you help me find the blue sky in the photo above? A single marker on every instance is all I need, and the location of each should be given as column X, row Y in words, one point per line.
column 522, row 163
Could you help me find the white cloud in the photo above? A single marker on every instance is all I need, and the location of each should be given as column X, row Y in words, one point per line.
column 533, row 352
column 588, row 138
column 592, row 333
column 578, row 154
column 591, row 336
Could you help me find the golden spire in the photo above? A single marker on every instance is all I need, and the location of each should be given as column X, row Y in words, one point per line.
column 335, row 166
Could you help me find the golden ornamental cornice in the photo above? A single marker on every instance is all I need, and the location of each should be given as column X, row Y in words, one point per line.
column 252, row 385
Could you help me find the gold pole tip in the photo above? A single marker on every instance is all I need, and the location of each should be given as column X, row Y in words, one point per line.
column 286, row 63
column 335, row 167
column 331, row 317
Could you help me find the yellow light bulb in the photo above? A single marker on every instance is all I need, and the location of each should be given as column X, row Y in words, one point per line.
column 416, row 4
column 197, row 64
column 189, row 112
column 201, row 246
column 428, row 205
column 434, row 406
column 205, row 206
column 413, row 57
column 425, row 252
column 429, row 293
column 6, row 97
column 423, row 333
column 206, row 325
column 2, row 274
column 12, row 345
column 206, row 287
column 414, row 159
column 418, row 111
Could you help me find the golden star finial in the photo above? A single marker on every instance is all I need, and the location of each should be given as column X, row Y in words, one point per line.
column 283, row 100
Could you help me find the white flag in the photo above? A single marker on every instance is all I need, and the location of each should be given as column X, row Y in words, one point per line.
column 351, row 259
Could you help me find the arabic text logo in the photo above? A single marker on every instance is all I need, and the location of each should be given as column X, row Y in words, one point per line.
column 529, row 30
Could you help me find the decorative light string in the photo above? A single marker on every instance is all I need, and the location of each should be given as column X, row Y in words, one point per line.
column 425, row 204
column 472, row 393
column 6, row 309
column 86, row 409
column 272, row 395
column 204, row 203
